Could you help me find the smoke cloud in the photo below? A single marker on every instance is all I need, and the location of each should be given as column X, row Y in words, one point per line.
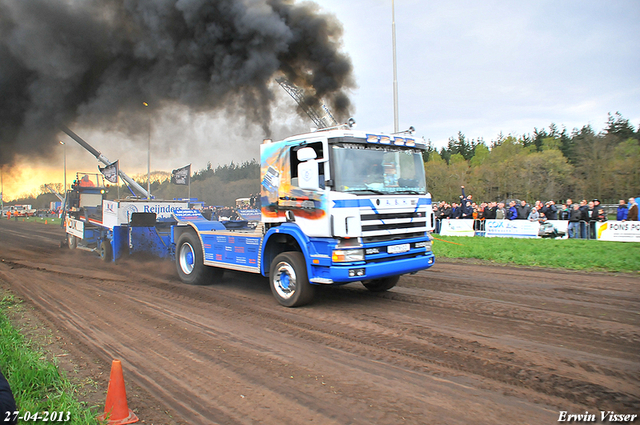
column 96, row 61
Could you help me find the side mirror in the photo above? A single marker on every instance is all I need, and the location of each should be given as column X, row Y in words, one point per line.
column 306, row 154
column 308, row 175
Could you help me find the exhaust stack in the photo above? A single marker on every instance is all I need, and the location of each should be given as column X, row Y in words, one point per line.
column 100, row 157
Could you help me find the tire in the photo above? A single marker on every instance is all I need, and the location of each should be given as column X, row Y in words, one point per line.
column 289, row 281
column 382, row 284
column 72, row 241
column 190, row 263
column 106, row 252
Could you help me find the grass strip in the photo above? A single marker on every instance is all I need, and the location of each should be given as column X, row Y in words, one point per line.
column 37, row 383
column 41, row 220
column 575, row 254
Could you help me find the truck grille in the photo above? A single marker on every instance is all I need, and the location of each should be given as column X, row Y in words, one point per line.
column 394, row 225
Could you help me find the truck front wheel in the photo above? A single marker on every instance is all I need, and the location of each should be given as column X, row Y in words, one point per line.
column 382, row 284
column 289, row 281
column 190, row 264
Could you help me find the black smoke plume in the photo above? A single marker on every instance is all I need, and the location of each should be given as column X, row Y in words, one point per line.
column 97, row 61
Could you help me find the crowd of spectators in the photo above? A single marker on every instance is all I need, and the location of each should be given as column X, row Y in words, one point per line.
column 581, row 216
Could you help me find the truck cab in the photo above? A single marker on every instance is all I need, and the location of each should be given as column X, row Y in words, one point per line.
column 359, row 199
column 84, row 209
column 337, row 206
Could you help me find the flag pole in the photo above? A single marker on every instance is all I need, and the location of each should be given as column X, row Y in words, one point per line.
column 396, row 126
column 118, row 178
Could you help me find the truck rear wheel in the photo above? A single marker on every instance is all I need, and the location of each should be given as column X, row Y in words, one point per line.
column 190, row 263
column 106, row 253
column 289, row 281
column 382, row 284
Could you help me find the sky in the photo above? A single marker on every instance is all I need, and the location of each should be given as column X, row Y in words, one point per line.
column 482, row 68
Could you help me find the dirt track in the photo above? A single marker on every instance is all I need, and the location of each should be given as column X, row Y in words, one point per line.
column 457, row 344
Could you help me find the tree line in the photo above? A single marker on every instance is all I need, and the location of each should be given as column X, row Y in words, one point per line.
column 219, row 186
column 550, row 164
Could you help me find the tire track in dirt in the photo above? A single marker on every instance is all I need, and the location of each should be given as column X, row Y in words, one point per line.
column 389, row 344
column 383, row 401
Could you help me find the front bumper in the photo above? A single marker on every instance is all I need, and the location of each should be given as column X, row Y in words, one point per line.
column 391, row 266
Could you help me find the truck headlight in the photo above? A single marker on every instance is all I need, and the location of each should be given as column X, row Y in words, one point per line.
column 424, row 244
column 347, row 255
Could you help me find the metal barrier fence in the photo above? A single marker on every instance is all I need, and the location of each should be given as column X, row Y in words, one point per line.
column 580, row 230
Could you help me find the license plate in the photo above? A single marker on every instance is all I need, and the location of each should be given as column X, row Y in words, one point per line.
column 395, row 249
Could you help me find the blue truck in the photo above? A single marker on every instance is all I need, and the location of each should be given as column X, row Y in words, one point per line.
column 337, row 206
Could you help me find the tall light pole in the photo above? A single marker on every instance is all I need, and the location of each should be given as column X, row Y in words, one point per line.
column 64, row 187
column 146, row 105
column 396, row 126
column 1, row 191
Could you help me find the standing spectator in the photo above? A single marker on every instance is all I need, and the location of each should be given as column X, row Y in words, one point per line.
column 501, row 212
column 575, row 216
column 478, row 216
column 585, row 218
column 523, row 210
column 465, row 205
column 592, row 217
column 464, row 197
column 633, row 210
column 490, row 211
column 569, row 204
column 550, row 210
column 437, row 216
column 444, row 211
column 563, row 212
column 456, row 212
column 584, row 205
column 512, row 214
column 622, row 212
column 466, row 209
column 599, row 211
column 568, row 207
column 534, row 215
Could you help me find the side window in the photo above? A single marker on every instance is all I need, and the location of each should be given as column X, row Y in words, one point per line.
column 317, row 146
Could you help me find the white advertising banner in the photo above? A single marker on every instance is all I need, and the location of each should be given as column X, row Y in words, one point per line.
column 511, row 228
column 619, row 231
column 457, row 227
column 116, row 213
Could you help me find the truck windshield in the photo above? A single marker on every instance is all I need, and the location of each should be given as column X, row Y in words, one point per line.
column 361, row 168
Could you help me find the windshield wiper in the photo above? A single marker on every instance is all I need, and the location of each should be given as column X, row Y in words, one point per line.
column 410, row 192
column 377, row 192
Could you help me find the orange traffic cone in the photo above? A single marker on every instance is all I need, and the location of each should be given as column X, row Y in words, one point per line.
column 116, row 408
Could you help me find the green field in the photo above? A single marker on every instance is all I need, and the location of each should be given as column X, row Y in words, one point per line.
column 575, row 254
column 39, row 220
column 35, row 379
